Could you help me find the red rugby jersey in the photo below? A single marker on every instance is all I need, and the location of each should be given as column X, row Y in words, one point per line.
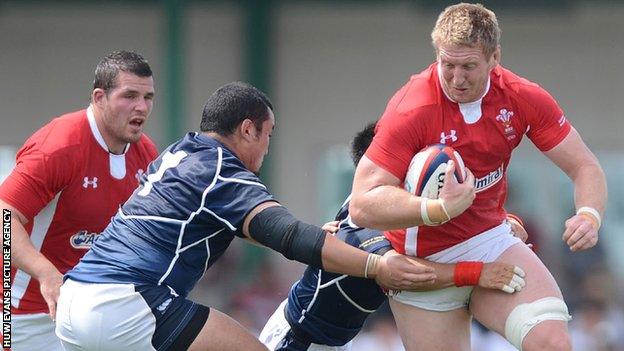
column 483, row 132
column 68, row 186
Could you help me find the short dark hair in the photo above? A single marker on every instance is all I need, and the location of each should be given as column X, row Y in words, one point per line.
column 108, row 68
column 361, row 142
column 231, row 104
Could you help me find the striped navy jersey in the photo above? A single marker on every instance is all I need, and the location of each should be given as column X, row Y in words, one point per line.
column 179, row 221
column 330, row 309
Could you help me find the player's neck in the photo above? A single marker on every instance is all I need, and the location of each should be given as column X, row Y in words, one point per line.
column 114, row 145
column 229, row 142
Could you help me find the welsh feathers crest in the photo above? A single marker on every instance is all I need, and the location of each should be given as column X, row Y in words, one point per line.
column 505, row 116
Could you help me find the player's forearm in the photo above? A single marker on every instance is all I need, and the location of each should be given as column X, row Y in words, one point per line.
column 339, row 257
column 393, row 272
column 582, row 166
column 590, row 187
column 25, row 255
column 444, row 274
column 384, row 208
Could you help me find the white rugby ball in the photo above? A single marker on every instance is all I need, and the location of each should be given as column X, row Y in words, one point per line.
column 425, row 175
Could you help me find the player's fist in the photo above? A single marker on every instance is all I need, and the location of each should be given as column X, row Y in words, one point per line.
column 580, row 233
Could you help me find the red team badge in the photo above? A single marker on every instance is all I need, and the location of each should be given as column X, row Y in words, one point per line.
column 505, row 118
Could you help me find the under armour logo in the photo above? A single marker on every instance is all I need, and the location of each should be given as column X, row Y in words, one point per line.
column 452, row 137
column 88, row 182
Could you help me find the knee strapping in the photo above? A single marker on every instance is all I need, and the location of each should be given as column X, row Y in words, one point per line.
column 527, row 315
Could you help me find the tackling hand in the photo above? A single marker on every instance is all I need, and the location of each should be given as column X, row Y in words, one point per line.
column 517, row 229
column 331, row 227
column 502, row 276
column 398, row 272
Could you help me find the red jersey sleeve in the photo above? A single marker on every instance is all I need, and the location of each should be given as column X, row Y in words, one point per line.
column 547, row 123
column 37, row 177
column 397, row 137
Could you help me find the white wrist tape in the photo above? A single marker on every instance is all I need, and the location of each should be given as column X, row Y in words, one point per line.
column 368, row 259
column 372, row 261
column 424, row 213
column 592, row 211
column 448, row 217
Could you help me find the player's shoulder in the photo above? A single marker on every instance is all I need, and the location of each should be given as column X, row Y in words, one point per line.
column 519, row 88
column 62, row 134
column 417, row 98
column 199, row 146
column 418, row 94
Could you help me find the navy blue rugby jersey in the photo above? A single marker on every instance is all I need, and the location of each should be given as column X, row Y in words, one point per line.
column 186, row 211
column 328, row 308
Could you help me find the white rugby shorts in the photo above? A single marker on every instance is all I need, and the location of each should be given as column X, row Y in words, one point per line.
column 485, row 247
column 33, row 332
column 277, row 329
column 98, row 316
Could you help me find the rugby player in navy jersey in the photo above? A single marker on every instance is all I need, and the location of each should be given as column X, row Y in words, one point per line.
column 129, row 292
column 325, row 311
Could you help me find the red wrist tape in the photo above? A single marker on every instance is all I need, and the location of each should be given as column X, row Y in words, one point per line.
column 467, row 273
column 516, row 218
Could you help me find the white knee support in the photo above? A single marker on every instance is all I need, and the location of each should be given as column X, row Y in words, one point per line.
column 527, row 315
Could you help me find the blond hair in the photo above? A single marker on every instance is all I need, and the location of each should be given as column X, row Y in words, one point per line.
column 470, row 25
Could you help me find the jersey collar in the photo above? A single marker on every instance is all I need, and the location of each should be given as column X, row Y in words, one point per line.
column 96, row 132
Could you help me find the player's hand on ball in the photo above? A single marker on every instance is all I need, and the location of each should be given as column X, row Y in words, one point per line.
column 502, row 276
column 331, row 227
column 398, row 272
column 457, row 197
column 581, row 233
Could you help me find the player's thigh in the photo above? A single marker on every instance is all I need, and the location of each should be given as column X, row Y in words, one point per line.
column 34, row 332
column 432, row 330
column 492, row 307
column 222, row 333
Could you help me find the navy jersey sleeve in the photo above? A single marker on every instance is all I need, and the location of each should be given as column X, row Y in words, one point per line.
column 236, row 192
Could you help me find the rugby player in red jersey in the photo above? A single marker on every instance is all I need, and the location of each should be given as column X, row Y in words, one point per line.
column 467, row 100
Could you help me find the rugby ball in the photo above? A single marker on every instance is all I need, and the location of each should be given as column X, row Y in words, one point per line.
column 425, row 175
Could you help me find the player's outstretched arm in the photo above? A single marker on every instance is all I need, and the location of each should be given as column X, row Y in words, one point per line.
column 590, row 190
column 379, row 202
column 494, row 275
column 273, row 226
column 31, row 261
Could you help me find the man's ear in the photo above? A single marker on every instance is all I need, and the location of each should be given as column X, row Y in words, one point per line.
column 247, row 130
column 496, row 56
column 97, row 96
